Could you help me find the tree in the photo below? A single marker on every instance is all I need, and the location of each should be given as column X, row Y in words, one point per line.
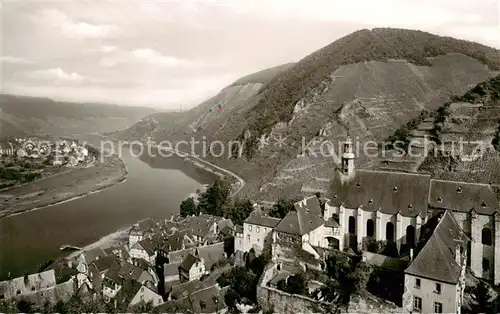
column 338, row 266
column 231, row 299
column 296, row 284
column 188, row 207
column 215, row 199
column 481, row 299
column 329, row 291
column 358, row 279
column 239, row 211
column 282, row 207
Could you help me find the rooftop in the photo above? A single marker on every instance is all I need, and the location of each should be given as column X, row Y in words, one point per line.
column 436, row 260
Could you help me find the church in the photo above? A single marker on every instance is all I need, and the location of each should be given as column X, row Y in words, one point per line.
column 393, row 206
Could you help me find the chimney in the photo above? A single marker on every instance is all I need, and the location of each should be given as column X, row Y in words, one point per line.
column 411, row 255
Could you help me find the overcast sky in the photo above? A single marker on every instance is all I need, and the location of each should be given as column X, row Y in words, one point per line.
column 168, row 54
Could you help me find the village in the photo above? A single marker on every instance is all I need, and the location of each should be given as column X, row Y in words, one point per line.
column 55, row 152
column 316, row 254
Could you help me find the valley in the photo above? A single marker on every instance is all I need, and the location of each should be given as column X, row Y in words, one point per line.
column 367, row 93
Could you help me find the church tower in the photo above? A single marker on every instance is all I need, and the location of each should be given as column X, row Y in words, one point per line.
column 348, row 158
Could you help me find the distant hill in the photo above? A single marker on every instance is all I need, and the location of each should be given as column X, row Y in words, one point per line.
column 366, row 84
column 182, row 125
column 21, row 115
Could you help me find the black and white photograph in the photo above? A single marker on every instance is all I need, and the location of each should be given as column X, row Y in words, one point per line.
column 250, row 156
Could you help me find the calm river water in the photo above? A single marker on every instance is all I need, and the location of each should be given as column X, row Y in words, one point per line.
column 155, row 186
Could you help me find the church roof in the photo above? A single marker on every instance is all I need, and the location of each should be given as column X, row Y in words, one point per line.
column 436, row 260
column 389, row 192
column 462, row 196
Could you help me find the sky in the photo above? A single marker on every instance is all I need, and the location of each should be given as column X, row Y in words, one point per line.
column 173, row 55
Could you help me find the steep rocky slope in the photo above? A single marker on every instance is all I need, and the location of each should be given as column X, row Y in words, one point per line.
column 21, row 115
column 366, row 84
column 204, row 119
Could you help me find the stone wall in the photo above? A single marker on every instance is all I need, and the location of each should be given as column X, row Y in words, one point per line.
column 282, row 302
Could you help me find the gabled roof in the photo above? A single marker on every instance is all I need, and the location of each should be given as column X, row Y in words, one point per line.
column 171, row 269
column 211, row 254
column 389, row 192
column 106, row 263
column 332, row 222
column 436, row 260
column 208, row 300
column 175, row 241
column 462, row 196
column 258, row 218
column 178, row 256
column 188, row 262
column 303, row 219
column 225, row 223
column 129, row 271
column 239, row 229
column 128, row 291
column 148, row 246
column 93, row 254
column 200, row 225
column 184, row 289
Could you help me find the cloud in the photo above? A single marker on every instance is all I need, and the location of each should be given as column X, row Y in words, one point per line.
column 15, row 60
column 426, row 13
column 148, row 56
column 75, row 29
column 55, row 76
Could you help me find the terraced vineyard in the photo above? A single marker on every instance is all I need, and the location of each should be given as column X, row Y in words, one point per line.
column 458, row 139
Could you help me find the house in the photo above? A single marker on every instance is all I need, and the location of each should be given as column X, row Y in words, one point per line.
column 301, row 229
column 27, row 284
column 7, row 150
column 191, row 268
column 143, row 249
column 88, row 256
column 238, row 238
column 208, row 300
column 133, row 293
column 111, row 284
column 133, row 272
column 21, row 153
column 226, row 227
column 171, row 272
column 435, row 280
column 180, row 255
column 98, row 269
column 58, row 161
column 211, row 254
column 140, row 231
column 203, row 227
column 257, row 231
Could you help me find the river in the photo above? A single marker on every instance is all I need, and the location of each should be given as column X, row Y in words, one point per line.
column 155, row 186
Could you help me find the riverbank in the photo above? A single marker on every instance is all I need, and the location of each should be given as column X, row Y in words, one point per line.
column 68, row 186
column 115, row 239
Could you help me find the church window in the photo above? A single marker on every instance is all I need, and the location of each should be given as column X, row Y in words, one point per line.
column 370, row 228
column 389, row 231
column 486, row 264
column 486, row 236
column 352, row 225
column 410, row 236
